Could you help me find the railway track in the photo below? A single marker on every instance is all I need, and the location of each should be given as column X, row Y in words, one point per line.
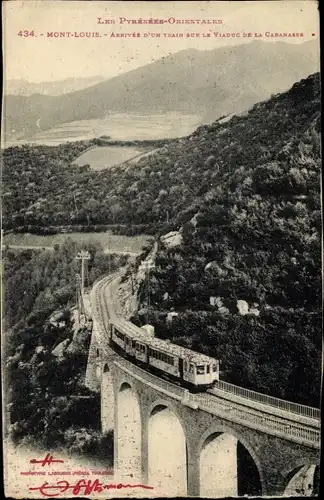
column 258, row 416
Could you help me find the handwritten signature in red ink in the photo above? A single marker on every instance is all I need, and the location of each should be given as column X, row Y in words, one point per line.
column 48, row 460
column 88, row 486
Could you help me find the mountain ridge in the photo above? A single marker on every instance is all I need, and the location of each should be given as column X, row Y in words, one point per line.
column 203, row 83
column 23, row 87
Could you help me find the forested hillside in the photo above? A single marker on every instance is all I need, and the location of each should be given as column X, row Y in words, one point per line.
column 47, row 402
column 41, row 187
column 45, row 280
column 246, row 279
column 245, row 192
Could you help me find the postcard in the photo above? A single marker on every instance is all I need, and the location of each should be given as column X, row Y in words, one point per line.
column 161, row 249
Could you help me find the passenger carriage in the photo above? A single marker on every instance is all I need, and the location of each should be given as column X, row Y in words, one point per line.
column 118, row 337
column 161, row 358
column 125, row 338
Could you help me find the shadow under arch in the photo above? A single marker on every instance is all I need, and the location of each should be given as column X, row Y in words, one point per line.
column 299, row 477
column 297, row 464
column 241, row 450
column 107, row 399
column 128, row 440
column 125, row 384
column 160, row 404
column 167, row 450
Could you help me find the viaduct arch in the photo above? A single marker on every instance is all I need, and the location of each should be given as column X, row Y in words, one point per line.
column 167, row 450
column 151, row 426
column 144, row 410
column 224, row 458
column 128, row 432
column 107, row 398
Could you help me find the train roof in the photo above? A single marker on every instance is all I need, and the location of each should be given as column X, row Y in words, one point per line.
column 180, row 351
column 135, row 331
column 168, row 347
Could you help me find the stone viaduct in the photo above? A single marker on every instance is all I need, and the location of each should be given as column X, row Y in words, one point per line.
column 184, row 444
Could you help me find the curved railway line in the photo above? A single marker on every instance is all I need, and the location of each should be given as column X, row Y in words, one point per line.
column 277, row 417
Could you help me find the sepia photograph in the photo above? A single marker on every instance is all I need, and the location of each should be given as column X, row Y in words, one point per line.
column 161, row 249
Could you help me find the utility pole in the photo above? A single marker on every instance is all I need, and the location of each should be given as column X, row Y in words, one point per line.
column 131, row 277
column 146, row 266
column 80, row 301
column 78, row 298
column 83, row 256
column 148, row 296
column 76, row 207
column 109, row 246
column 109, row 249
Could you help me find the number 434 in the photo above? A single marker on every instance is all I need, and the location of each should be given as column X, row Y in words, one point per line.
column 26, row 33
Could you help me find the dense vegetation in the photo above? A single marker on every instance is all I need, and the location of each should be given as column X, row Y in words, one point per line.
column 45, row 280
column 245, row 191
column 44, row 191
column 48, row 404
column 255, row 237
column 170, row 185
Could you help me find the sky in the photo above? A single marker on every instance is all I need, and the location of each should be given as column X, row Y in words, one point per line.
column 41, row 58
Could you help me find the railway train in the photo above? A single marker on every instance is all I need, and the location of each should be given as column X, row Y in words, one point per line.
column 180, row 364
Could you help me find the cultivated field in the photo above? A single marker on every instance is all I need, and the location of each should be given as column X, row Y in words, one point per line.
column 118, row 127
column 106, row 156
column 108, row 241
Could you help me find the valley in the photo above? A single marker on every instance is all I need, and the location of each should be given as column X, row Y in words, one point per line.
column 193, row 83
column 119, row 126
